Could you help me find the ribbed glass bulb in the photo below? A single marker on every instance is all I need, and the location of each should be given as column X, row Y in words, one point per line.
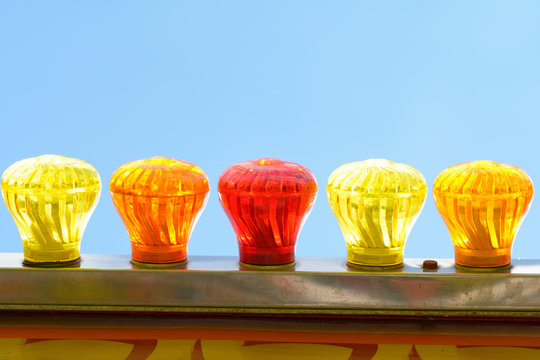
column 51, row 199
column 376, row 203
column 159, row 200
column 267, row 201
column 483, row 204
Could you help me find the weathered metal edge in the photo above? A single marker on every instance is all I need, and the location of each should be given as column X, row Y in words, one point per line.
column 318, row 286
column 275, row 311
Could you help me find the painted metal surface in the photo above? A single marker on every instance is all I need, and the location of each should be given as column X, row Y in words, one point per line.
column 27, row 349
column 42, row 335
column 316, row 285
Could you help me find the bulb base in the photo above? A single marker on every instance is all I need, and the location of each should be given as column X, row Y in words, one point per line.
column 179, row 265
column 375, row 256
column 483, row 258
column 158, row 254
column 288, row 266
column 36, row 254
column 374, row 268
column 505, row 269
column 54, row 264
column 266, row 256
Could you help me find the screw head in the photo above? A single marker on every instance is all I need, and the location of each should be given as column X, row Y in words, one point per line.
column 430, row 265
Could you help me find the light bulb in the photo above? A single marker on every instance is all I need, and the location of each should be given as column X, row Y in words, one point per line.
column 483, row 204
column 267, row 202
column 159, row 200
column 51, row 199
column 376, row 203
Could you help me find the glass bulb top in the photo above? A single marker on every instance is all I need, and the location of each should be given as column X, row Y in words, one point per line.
column 483, row 179
column 50, row 174
column 159, row 177
column 267, row 176
column 378, row 178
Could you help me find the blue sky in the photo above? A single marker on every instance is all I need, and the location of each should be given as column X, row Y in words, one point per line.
column 427, row 83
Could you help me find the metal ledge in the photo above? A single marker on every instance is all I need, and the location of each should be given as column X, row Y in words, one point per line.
column 315, row 286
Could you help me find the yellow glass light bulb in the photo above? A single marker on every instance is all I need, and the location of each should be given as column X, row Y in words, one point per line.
column 51, row 199
column 376, row 203
column 483, row 204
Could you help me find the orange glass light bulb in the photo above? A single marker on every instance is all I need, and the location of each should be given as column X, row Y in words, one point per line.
column 159, row 200
column 483, row 204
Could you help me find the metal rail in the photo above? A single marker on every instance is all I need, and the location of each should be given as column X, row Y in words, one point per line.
column 315, row 286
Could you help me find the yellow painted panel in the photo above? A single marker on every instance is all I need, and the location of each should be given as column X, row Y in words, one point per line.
column 498, row 353
column 392, row 352
column 19, row 349
column 287, row 351
column 76, row 349
column 172, row 350
column 10, row 349
column 437, row 352
column 218, row 349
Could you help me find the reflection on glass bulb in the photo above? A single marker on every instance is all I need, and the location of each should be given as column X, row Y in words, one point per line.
column 483, row 204
column 159, row 200
column 267, row 202
column 51, row 199
column 376, row 203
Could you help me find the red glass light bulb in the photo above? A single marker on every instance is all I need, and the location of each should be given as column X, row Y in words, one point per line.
column 267, row 202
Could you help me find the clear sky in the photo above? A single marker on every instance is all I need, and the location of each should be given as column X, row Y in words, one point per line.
column 427, row 83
